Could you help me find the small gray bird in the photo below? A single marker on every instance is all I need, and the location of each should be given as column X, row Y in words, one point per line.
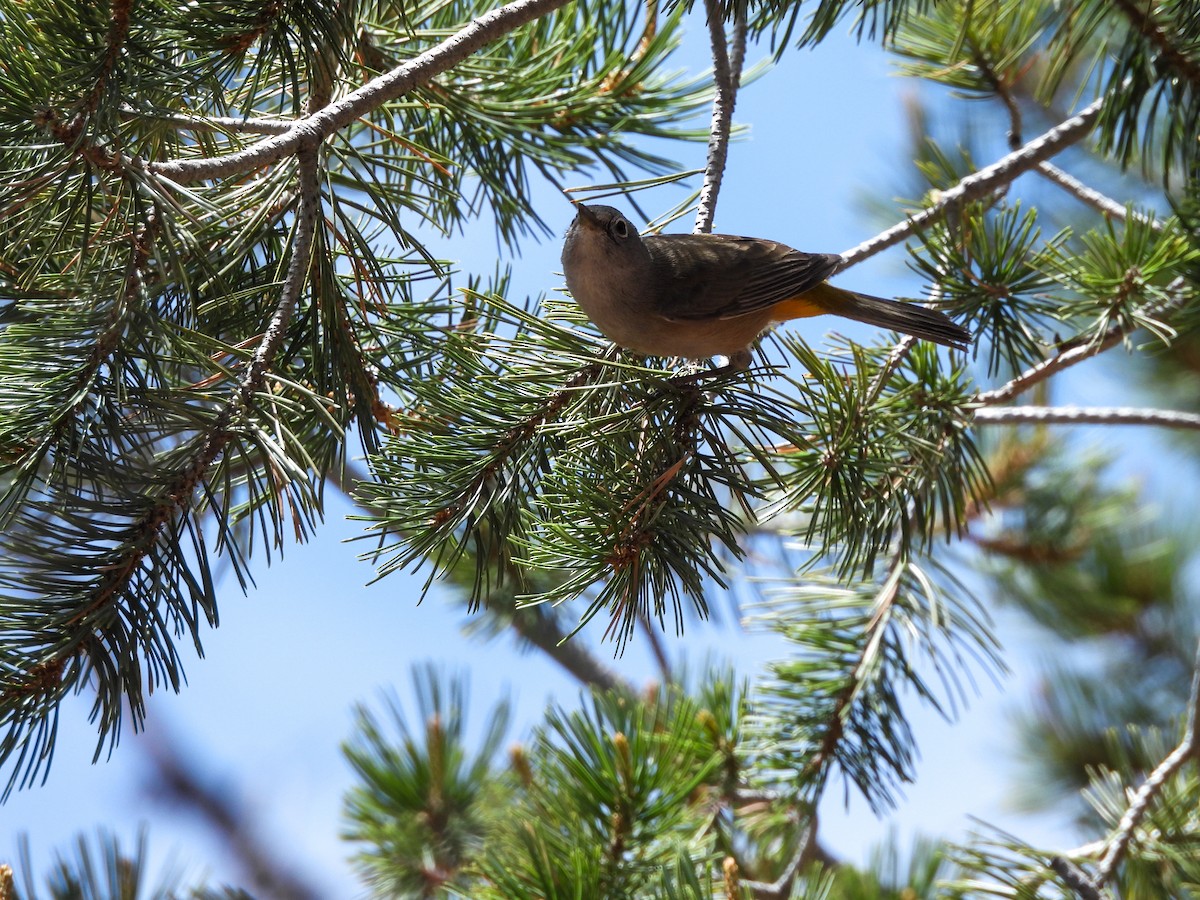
column 702, row 295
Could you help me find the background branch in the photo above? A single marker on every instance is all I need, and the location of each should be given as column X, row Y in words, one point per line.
column 174, row 781
column 984, row 182
column 1150, row 788
column 321, row 124
column 1093, row 415
column 1089, row 195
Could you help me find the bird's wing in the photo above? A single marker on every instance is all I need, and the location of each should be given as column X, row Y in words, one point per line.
column 721, row 276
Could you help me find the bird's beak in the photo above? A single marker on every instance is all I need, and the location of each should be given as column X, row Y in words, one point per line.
column 585, row 215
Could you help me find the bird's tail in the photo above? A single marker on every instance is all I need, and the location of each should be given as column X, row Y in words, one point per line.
column 908, row 318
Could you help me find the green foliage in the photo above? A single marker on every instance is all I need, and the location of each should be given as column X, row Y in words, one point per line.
column 975, row 48
column 101, row 870
column 1123, row 277
column 179, row 375
column 1155, row 81
column 566, row 92
column 986, row 268
column 633, row 767
column 806, row 25
column 888, row 875
column 173, row 389
column 423, row 801
column 887, row 456
column 550, row 458
column 546, row 458
column 638, row 778
column 835, row 704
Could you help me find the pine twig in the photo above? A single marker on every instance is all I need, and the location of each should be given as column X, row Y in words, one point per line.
column 984, row 182
column 1092, row 197
column 885, row 601
column 1075, row 878
column 1047, row 170
column 727, row 76
column 184, row 122
column 781, row 887
column 1114, row 849
column 1093, row 415
column 321, row 124
column 533, row 624
column 657, row 648
column 1189, row 748
column 1076, row 354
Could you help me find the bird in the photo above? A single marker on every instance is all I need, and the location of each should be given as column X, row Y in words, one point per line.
column 704, row 295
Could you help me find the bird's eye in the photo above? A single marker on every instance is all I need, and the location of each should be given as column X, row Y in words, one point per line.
column 621, row 228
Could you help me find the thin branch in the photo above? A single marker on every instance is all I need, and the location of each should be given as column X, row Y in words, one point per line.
column 781, row 887
column 984, row 182
column 727, row 76
column 900, row 351
column 321, row 124
column 1092, row 197
column 1089, row 415
column 1048, row 170
column 1001, row 87
column 1187, row 749
column 118, row 34
column 1075, row 878
column 1077, row 354
column 173, row 779
column 518, row 434
column 307, row 218
column 185, row 122
column 657, row 648
column 534, row 624
column 885, row 601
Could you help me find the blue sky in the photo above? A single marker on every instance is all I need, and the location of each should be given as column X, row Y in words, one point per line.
column 264, row 712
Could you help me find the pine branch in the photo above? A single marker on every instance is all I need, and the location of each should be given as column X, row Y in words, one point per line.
column 885, row 600
column 727, row 75
column 1048, row 170
column 49, row 676
column 533, row 624
column 1161, row 848
column 1092, row 197
column 1141, row 16
column 174, row 780
column 182, row 121
column 404, row 78
column 781, row 887
column 1189, row 748
column 114, row 44
column 983, row 183
column 1072, row 355
column 541, row 629
column 1074, row 415
column 1000, row 87
column 1075, row 878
